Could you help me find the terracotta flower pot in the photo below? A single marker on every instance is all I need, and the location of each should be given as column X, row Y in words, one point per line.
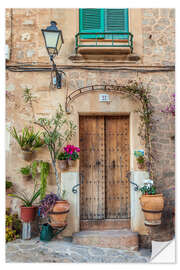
column 62, row 164
column 59, row 213
column 141, row 166
column 28, row 214
column 152, row 206
column 27, row 155
column 71, row 163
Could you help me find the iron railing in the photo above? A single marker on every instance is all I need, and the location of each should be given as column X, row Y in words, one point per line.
column 110, row 39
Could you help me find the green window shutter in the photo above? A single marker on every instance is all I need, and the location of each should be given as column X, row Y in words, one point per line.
column 116, row 20
column 91, row 20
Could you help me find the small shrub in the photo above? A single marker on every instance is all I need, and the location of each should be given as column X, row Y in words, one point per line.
column 13, row 227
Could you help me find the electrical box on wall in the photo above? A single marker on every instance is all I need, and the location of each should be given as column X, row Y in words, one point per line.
column 7, row 52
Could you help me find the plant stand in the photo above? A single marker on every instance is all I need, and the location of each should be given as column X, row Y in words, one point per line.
column 56, row 230
column 26, row 230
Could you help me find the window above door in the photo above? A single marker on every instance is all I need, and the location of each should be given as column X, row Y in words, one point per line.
column 103, row 21
column 103, row 31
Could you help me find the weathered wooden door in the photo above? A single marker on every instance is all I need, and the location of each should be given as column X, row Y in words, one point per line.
column 104, row 162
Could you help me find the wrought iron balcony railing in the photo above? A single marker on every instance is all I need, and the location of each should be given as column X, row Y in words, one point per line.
column 104, row 40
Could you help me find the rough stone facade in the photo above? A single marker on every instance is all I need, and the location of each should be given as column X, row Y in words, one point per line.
column 157, row 44
column 159, row 36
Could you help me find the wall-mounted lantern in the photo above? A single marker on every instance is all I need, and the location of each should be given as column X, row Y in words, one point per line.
column 53, row 41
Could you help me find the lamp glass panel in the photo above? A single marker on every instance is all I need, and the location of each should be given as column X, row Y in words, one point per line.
column 59, row 44
column 51, row 39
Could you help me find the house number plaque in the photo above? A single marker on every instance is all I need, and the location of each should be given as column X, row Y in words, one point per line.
column 104, row 97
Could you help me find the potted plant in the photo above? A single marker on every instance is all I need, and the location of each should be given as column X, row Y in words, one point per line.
column 28, row 210
column 62, row 160
column 72, row 154
column 29, row 141
column 9, row 186
column 50, row 206
column 26, row 172
column 37, row 169
column 152, row 203
column 139, row 154
column 57, row 131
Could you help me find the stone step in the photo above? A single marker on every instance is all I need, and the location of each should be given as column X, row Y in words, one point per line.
column 104, row 224
column 121, row 239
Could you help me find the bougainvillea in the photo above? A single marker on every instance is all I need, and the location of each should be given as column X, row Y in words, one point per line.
column 171, row 108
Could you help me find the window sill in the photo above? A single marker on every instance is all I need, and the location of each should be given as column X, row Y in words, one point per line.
column 104, row 50
column 105, row 58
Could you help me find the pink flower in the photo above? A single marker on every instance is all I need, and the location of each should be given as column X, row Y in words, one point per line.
column 70, row 149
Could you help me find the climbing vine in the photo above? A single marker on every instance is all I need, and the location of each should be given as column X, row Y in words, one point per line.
column 135, row 90
column 138, row 91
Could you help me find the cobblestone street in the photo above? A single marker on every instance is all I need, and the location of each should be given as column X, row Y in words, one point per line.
column 64, row 251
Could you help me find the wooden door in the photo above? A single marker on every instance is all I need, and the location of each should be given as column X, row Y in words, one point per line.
column 104, row 162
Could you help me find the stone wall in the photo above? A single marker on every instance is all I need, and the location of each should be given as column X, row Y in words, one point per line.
column 159, row 36
column 25, row 40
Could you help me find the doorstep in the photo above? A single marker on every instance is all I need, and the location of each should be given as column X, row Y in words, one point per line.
column 120, row 239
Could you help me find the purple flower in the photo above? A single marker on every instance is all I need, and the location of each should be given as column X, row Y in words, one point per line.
column 171, row 108
column 47, row 203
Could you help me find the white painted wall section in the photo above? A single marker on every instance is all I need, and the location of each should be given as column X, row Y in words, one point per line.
column 137, row 216
column 68, row 180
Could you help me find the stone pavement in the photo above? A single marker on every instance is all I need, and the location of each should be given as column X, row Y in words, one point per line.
column 64, row 251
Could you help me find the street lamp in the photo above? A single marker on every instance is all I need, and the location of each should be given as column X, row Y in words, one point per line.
column 53, row 41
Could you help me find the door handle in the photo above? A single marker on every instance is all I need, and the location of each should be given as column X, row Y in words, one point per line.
column 128, row 176
column 98, row 163
column 113, row 164
column 74, row 188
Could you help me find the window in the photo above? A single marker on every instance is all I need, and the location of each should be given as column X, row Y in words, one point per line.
column 103, row 21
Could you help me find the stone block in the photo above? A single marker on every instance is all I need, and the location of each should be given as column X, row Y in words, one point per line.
column 148, row 22
column 30, row 53
column 164, row 12
column 164, row 21
column 25, row 36
column 172, row 13
column 28, row 22
column 159, row 27
column 149, row 43
column 10, row 87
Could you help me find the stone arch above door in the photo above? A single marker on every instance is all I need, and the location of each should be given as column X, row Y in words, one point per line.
column 84, row 101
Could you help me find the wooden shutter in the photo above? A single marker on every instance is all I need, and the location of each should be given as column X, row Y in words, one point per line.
column 91, row 20
column 116, row 20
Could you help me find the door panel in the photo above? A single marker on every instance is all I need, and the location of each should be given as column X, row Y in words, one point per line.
column 116, row 167
column 92, row 191
column 104, row 193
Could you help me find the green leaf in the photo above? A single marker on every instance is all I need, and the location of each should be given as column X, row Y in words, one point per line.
column 35, row 196
column 18, row 197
